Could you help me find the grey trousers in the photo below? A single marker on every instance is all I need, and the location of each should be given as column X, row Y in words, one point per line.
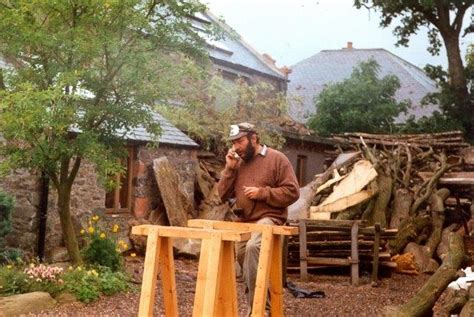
column 247, row 254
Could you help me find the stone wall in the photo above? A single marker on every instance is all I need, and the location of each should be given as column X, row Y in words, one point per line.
column 88, row 196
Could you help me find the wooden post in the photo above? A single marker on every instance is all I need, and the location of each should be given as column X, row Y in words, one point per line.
column 147, row 296
column 168, row 280
column 212, row 274
column 354, row 254
column 227, row 299
column 375, row 266
column 303, row 251
column 276, row 281
column 263, row 273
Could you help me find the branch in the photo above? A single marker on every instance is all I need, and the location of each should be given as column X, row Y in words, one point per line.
column 406, row 176
column 75, row 169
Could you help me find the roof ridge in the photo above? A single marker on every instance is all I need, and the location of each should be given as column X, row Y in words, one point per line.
column 249, row 47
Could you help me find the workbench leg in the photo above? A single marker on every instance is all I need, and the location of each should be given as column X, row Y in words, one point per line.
column 201, row 278
column 227, row 295
column 263, row 273
column 212, row 274
column 150, row 272
column 168, row 279
column 276, row 282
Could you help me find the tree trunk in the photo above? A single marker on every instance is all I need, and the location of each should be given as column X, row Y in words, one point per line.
column 468, row 309
column 64, row 210
column 409, row 229
column 384, row 184
column 424, row 300
column 437, row 213
column 401, row 207
column 454, row 302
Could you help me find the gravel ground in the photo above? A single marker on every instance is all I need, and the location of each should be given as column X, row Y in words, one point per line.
column 341, row 299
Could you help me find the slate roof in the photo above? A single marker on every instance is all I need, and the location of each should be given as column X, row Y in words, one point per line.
column 310, row 76
column 169, row 134
column 232, row 49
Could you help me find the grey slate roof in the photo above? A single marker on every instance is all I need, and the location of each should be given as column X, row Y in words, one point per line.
column 169, row 134
column 234, row 50
column 310, row 76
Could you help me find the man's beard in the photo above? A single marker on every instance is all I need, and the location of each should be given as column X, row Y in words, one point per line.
column 249, row 152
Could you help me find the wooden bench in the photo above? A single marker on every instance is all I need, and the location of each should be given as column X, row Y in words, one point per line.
column 338, row 243
column 216, row 287
column 270, row 268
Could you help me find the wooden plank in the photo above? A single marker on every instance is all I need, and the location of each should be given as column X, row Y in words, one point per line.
column 342, row 203
column 190, row 233
column 241, row 226
column 303, row 262
column 201, row 279
column 334, row 180
column 168, row 280
column 375, row 267
column 327, row 261
column 227, row 296
column 147, row 296
column 333, row 223
column 454, row 178
column 354, row 255
column 263, row 273
column 212, row 274
column 276, row 283
column 360, row 176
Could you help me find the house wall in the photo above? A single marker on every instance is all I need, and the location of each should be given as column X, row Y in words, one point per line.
column 314, row 157
column 88, row 196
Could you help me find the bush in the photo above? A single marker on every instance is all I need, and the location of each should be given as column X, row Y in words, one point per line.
column 12, row 281
column 11, row 255
column 87, row 285
column 6, row 206
column 102, row 249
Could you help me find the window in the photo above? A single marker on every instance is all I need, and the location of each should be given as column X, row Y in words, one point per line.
column 301, row 161
column 119, row 200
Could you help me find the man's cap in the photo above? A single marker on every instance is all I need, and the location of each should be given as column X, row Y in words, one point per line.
column 239, row 130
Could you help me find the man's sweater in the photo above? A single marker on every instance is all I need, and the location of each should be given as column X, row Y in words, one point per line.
column 270, row 171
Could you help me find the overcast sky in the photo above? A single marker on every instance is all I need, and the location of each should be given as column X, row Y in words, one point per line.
column 292, row 30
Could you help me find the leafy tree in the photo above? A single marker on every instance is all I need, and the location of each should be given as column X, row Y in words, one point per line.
column 445, row 19
column 82, row 74
column 203, row 116
column 362, row 103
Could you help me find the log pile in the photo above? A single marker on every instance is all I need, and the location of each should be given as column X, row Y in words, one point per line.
column 420, row 185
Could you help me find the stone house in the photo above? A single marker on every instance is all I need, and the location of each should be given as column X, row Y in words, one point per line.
column 138, row 194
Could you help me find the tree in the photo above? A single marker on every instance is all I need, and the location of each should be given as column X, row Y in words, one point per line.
column 445, row 19
column 360, row 103
column 82, row 75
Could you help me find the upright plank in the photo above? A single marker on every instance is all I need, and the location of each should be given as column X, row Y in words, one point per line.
column 227, row 295
column 276, row 282
column 201, row 279
column 147, row 296
column 375, row 267
column 212, row 274
column 303, row 253
column 354, row 254
column 263, row 273
column 168, row 280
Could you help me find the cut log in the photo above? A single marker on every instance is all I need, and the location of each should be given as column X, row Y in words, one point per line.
column 300, row 208
column 443, row 246
column 409, row 230
column 468, row 309
column 437, row 213
column 341, row 204
column 384, row 193
column 176, row 202
column 454, row 302
column 401, row 207
column 360, row 176
column 426, row 297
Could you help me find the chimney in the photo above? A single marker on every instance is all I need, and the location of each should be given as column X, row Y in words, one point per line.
column 268, row 58
column 349, row 46
column 286, row 71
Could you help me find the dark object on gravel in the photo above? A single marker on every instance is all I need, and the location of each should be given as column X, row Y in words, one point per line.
column 302, row 293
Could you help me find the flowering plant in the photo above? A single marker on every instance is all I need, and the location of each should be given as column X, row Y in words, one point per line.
column 103, row 246
column 44, row 278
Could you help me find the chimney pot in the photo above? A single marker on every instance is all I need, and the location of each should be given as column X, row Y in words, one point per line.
column 349, row 45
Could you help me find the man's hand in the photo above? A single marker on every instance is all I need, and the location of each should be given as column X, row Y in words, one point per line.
column 251, row 192
column 232, row 159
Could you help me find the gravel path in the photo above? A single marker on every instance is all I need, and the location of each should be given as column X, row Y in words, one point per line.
column 341, row 299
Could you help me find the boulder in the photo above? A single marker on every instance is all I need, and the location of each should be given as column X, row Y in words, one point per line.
column 189, row 248
column 26, row 303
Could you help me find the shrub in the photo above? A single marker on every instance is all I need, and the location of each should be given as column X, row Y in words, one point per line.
column 44, row 278
column 87, row 285
column 12, row 281
column 6, row 206
column 103, row 248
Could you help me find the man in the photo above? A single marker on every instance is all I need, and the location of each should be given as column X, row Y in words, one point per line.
column 264, row 184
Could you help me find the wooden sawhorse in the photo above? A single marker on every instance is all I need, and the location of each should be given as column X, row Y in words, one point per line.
column 269, row 263
column 216, row 287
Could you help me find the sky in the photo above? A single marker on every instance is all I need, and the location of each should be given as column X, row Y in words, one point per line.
column 292, row 30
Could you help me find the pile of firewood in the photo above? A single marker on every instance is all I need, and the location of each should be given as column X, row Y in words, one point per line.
column 421, row 185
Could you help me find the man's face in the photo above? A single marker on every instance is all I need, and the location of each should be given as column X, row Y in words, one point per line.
column 244, row 147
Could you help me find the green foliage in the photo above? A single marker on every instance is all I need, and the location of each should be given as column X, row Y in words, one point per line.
column 11, row 255
column 6, row 206
column 83, row 74
column 444, row 20
column 87, row 285
column 206, row 114
column 103, row 247
column 12, row 280
column 360, row 103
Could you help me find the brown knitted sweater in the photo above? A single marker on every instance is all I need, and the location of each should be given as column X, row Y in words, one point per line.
column 272, row 172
